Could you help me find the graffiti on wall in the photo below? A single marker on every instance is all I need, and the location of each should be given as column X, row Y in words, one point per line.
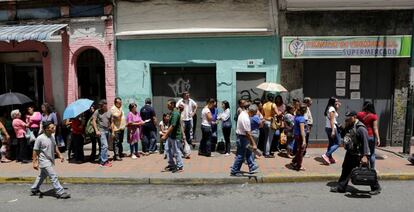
column 180, row 86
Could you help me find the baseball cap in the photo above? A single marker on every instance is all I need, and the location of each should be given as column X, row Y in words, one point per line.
column 350, row 113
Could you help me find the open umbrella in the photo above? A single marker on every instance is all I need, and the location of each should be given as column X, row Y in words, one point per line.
column 13, row 98
column 77, row 107
column 272, row 87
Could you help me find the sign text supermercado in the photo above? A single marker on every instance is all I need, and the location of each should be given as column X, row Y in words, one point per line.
column 394, row 46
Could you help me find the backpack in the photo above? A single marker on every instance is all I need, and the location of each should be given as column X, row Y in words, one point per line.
column 89, row 130
column 351, row 142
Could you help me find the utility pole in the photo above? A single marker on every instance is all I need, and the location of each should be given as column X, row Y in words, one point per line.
column 410, row 98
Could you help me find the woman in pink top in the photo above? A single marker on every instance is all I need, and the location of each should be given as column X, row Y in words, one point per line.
column 19, row 127
column 33, row 120
column 134, row 123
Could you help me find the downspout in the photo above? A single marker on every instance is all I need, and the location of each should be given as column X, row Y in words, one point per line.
column 114, row 21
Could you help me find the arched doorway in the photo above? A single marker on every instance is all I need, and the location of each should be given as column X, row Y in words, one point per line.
column 90, row 68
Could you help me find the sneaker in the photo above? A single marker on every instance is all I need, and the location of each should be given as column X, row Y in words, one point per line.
column 375, row 192
column 227, row 154
column 64, row 195
column 254, row 170
column 106, row 164
column 332, row 160
column 177, row 170
column 326, row 159
column 134, row 157
column 35, row 192
column 337, row 189
column 117, row 159
column 237, row 174
column 6, row 161
column 169, row 168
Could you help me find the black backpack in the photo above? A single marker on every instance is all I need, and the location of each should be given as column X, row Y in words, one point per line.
column 351, row 142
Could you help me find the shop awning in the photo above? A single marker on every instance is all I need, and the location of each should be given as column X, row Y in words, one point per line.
column 29, row 32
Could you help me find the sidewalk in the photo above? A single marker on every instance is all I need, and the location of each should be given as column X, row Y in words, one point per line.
column 202, row 170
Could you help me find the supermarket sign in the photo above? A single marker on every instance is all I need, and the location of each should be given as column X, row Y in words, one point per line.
column 395, row 46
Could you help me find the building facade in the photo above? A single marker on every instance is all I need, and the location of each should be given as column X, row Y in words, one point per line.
column 57, row 52
column 213, row 49
column 356, row 52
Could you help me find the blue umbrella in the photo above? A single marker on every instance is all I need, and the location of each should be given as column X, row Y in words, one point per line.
column 77, row 107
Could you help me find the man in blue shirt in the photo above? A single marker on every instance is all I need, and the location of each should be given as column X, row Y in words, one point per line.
column 149, row 130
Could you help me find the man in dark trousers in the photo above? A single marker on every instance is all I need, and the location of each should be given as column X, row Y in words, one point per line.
column 149, row 130
column 356, row 143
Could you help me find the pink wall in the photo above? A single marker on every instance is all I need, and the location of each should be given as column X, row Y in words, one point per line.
column 70, row 53
column 30, row 46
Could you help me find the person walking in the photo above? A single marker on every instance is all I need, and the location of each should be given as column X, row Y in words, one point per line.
column 44, row 152
column 20, row 127
column 309, row 120
column 269, row 113
column 357, row 152
column 245, row 142
column 101, row 121
column 299, row 132
column 173, row 137
column 226, row 125
column 117, row 128
column 206, row 131
column 4, row 141
column 331, row 128
column 134, row 123
column 190, row 109
column 149, row 129
column 369, row 118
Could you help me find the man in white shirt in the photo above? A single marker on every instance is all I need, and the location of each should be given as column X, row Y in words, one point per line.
column 190, row 108
column 245, row 142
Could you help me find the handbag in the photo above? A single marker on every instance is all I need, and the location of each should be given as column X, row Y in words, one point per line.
column 30, row 136
column 364, row 176
column 283, row 138
column 277, row 123
column 220, row 147
column 226, row 123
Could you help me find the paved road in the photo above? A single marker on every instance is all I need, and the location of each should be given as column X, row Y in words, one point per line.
column 396, row 196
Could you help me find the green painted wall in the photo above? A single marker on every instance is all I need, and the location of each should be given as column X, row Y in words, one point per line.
column 230, row 55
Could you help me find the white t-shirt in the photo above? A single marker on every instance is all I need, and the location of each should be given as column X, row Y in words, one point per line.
column 243, row 123
column 328, row 122
column 225, row 115
column 204, row 119
column 188, row 108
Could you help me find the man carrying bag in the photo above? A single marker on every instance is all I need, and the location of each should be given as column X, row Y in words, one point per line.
column 357, row 154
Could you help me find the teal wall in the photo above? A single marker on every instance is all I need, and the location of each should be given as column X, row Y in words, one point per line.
column 230, row 55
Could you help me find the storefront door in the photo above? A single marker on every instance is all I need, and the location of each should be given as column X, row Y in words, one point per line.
column 171, row 82
column 376, row 84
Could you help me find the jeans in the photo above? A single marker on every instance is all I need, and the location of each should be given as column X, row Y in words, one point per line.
column 149, row 141
column 117, row 144
column 269, row 133
column 205, row 143
column 48, row 172
column 298, row 159
column 174, row 152
column 188, row 131
column 104, row 145
column 372, row 143
column 77, row 143
column 213, row 137
column 133, row 148
column 226, row 135
column 243, row 153
column 333, row 142
column 350, row 162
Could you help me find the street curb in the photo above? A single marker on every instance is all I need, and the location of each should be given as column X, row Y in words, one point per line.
column 203, row 181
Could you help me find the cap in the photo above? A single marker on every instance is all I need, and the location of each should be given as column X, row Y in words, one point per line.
column 350, row 113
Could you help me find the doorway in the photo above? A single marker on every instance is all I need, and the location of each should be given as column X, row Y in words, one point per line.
column 90, row 66
column 171, row 82
column 376, row 85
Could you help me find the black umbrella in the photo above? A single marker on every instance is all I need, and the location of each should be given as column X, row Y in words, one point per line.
column 13, row 98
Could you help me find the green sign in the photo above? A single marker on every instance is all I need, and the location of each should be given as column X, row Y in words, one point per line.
column 395, row 46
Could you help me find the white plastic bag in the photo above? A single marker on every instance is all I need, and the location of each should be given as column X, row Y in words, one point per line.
column 187, row 149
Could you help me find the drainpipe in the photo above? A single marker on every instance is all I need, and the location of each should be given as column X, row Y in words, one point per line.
column 410, row 102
